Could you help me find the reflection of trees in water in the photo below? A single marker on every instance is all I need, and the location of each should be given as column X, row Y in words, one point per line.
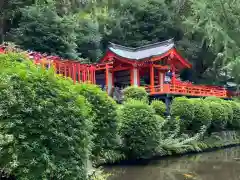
column 220, row 165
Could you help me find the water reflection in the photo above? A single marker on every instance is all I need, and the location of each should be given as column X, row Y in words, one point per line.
column 219, row 165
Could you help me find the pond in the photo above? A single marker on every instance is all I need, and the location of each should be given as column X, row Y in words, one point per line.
column 219, row 165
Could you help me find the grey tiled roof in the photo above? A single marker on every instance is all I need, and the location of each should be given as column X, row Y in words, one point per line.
column 142, row 52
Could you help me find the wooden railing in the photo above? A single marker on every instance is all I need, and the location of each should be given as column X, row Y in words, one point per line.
column 189, row 90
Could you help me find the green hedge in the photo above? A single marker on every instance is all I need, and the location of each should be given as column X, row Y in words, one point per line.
column 139, row 129
column 137, row 93
column 213, row 99
column 202, row 114
column 159, row 118
column 105, row 123
column 219, row 116
column 235, row 124
column 182, row 107
column 159, row 107
column 228, row 110
column 45, row 125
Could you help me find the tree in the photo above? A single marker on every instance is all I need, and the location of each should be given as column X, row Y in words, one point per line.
column 217, row 20
column 41, row 29
column 140, row 129
column 10, row 14
column 88, row 38
column 143, row 22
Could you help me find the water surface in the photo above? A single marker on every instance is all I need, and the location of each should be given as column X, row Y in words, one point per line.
column 218, row 165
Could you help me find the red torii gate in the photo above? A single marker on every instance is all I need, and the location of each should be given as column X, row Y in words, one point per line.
column 75, row 70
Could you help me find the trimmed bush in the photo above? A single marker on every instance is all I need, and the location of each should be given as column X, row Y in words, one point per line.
column 219, row 116
column 137, row 93
column 45, row 125
column 213, row 99
column 202, row 114
column 235, row 124
column 139, row 129
column 159, row 118
column 159, row 107
column 226, row 106
column 228, row 111
column 105, row 122
column 183, row 107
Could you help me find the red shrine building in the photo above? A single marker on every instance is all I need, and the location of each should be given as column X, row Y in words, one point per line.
column 150, row 66
column 155, row 66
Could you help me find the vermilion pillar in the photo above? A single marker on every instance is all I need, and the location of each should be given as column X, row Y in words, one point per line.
column 79, row 72
column 151, row 77
column 173, row 75
column 106, row 76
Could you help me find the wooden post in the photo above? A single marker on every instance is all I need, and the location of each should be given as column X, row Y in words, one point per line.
column 65, row 69
column 106, row 79
column 94, row 75
column 113, row 79
column 151, row 78
column 173, row 75
column 74, row 72
column 138, row 77
column 131, row 76
column 159, row 78
column 84, row 74
column 69, row 69
column 79, row 72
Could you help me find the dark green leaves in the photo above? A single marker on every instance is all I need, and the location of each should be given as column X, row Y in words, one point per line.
column 46, row 122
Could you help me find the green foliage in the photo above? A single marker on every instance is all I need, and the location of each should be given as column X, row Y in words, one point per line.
column 139, row 129
column 159, row 107
column 42, row 29
column 228, row 110
column 173, row 141
column 202, row 114
column 137, row 93
column 105, row 123
column 45, row 124
column 182, row 107
column 171, row 125
column 219, row 116
column 216, row 20
column 143, row 22
column 159, row 118
column 98, row 174
column 236, row 115
column 213, row 99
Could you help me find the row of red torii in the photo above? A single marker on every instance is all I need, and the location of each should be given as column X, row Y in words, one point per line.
column 152, row 62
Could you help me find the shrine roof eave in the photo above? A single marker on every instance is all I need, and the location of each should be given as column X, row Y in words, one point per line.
column 151, row 52
column 143, row 52
column 181, row 61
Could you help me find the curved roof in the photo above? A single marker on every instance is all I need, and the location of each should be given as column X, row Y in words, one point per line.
column 142, row 52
